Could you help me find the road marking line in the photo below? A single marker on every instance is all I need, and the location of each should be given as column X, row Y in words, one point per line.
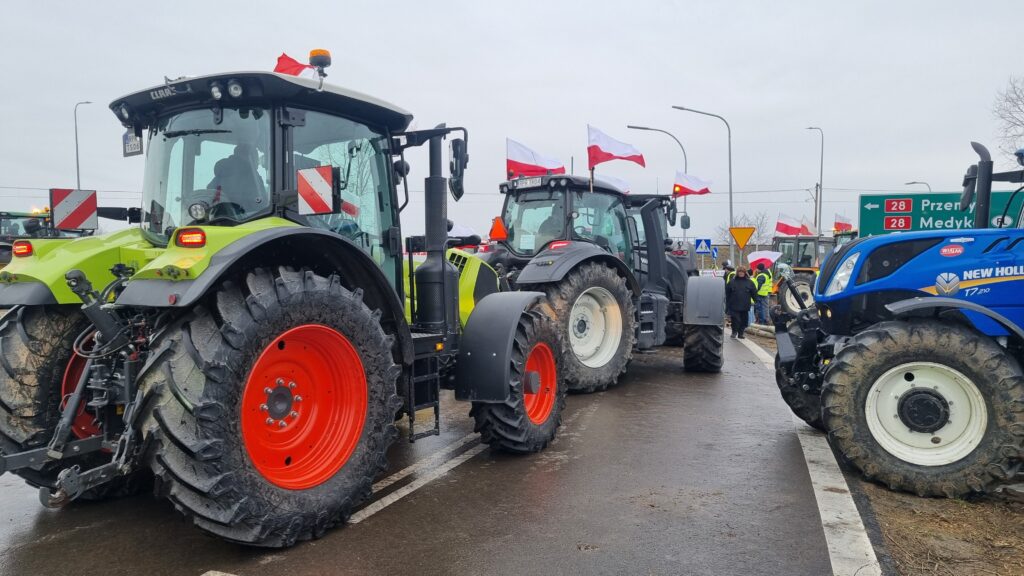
column 849, row 547
column 424, row 463
column 411, row 487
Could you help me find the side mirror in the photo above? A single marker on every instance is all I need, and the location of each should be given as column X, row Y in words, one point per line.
column 684, row 222
column 672, row 213
column 457, row 166
column 669, row 242
column 401, row 168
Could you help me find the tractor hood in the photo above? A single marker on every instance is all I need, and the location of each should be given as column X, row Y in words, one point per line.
column 39, row 277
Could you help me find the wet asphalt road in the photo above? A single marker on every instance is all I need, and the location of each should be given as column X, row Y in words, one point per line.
column 668, row 473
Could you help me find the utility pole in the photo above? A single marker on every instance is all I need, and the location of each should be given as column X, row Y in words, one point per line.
column 819, row 199
column 686, row 168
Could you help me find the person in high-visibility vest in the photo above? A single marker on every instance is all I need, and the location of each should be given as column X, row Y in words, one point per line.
column 730, row 272
column 763, row 280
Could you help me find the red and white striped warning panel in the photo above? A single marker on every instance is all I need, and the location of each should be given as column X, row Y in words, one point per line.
column 73, row 209
column 316, row 190
column 316, row 186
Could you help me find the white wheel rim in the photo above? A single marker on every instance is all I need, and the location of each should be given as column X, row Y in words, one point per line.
column 802, row 291
column 958, row 437
column 595, row 327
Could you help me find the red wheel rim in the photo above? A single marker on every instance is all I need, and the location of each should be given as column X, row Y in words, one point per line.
column 84, row 424
column 539, row 405
column 304, row 406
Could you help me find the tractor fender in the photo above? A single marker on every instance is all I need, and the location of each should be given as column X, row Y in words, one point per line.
column 485, row 349
column 553, row 265
column 704, row 303
column 322, row 251
column 936, row 302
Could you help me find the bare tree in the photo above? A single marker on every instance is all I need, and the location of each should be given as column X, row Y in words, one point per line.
column 1008, row 109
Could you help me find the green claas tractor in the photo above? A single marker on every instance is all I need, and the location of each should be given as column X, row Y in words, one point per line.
column 248, row 344
column 15, row 226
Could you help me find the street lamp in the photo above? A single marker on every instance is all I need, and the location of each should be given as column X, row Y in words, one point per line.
column 732, row 253
column 78, row 174
column 685, row 162
column 819, row 201
column 916, row 182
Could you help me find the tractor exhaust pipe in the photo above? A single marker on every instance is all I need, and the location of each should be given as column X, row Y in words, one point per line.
column 983, row 187
column 436, row 279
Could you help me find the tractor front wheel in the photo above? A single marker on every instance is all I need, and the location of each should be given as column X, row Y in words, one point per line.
column 528, row 420
column 928, row 407
column 788, row 299
column 276, row 408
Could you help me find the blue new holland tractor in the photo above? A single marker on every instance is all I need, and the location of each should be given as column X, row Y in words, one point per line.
column 911, row 358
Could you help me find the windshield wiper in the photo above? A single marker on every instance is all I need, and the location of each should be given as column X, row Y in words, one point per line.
column 193, row 132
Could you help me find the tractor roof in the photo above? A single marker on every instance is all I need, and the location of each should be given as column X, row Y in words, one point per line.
column 143, row 106
column 636, row 200
column 568, row 180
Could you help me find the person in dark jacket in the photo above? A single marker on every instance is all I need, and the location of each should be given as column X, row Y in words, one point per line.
column 738, row 296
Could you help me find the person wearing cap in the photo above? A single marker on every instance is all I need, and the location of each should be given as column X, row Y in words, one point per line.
column 730, row 272
column 739, row 293
column 763, row 280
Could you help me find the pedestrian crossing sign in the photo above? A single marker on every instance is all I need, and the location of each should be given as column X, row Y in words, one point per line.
column 702, row 246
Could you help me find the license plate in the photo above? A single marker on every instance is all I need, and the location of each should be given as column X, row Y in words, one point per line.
column 527, row 182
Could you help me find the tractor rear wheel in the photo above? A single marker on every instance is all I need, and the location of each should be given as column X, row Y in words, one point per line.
column 528, row 420
column 703, row 348
column 928, row 407
column 276, row 407
column 804, row 284
column 594, row 310
column 804, row 404
column 38, row 368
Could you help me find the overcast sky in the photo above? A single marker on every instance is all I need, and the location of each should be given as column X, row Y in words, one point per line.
column 900, row 88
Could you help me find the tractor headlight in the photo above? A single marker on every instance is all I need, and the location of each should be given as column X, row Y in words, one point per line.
column 842, row 276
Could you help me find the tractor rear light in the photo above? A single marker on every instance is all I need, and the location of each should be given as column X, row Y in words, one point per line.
column 484, row 247
column 558, row 244
column 22, row 248
column 498, row 231
column 190, row 238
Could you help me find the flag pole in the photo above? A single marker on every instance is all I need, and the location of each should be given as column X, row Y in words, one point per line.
column 591, row 179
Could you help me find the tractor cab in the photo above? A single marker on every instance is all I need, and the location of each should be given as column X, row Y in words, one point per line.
column 678, row 262
column 544, row 210
column 229, row 149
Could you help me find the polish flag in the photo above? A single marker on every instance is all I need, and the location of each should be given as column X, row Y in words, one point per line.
column 292, row 67
column 788, row 226
column 686, row 185
column 602, row 148
column 521, row 161
column 806, row 228
column 843, row 224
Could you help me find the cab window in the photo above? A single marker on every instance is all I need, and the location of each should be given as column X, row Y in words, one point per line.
column 601, row 219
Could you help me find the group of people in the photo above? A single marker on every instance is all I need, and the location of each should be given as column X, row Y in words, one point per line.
column 746, row 288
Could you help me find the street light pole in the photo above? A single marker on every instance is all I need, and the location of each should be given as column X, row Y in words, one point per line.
column 916, row 182
column 686, row 167
column 819, row 201
column 78, row 173
column 732, row 253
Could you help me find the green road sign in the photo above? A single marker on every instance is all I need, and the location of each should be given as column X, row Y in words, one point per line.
column 885, row 213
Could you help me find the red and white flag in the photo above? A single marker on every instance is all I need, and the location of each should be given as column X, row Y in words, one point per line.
column 788, row 226
column 806, row 228
column 521, row 161
column 843, row 224
column 602, row 148
column 288, row 65
column 686, row 185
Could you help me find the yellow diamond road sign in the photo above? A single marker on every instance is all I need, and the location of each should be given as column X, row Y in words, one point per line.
column 742, row 234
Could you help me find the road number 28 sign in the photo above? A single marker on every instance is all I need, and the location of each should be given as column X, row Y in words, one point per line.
column 897, row 223
column 899, row 205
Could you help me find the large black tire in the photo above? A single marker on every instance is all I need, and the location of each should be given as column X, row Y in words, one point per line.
column 579, row 377
column 202, row 368
column 806, row 405
column 804, row 284
column 507, row 426
column 35, row 349
column 994, row 373
column 703, row 348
